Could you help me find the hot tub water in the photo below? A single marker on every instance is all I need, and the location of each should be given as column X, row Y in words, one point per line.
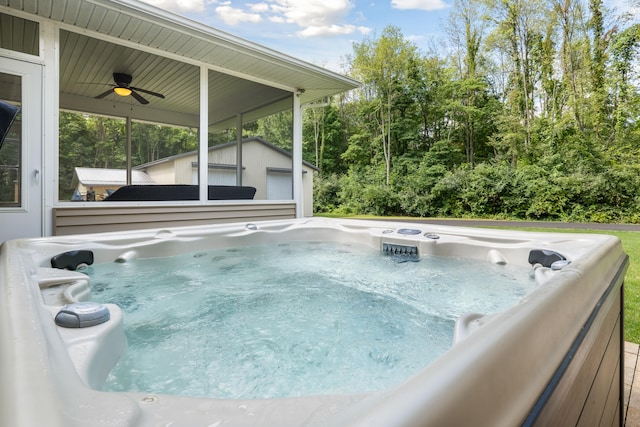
column 292, row 319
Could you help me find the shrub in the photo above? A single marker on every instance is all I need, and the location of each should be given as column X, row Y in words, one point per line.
column 326, row 193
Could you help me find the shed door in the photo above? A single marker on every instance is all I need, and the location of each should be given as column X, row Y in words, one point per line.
column 21, row 153
column 279, row 185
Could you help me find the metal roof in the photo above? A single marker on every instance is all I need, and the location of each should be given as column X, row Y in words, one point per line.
column 105, row 177
column 163, row 52
column 223, row 146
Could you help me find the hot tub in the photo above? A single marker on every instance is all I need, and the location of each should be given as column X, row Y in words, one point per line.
column 554, row 358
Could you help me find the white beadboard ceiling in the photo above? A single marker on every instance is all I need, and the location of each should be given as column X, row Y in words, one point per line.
column 163, row 53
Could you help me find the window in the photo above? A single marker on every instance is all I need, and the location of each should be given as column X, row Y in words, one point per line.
column 11, row 149
column 93, row 155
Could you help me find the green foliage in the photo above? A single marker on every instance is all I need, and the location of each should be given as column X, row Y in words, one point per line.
column 325, row 139
column 534, row 113
column 365, row 192
column 326, row 193
column 275, row 128
column 384, row 66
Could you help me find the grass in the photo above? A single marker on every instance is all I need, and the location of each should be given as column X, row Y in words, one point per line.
column 630, row 244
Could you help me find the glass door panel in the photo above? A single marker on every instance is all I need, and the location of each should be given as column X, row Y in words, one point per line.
column 11, row 148
column 21, row 204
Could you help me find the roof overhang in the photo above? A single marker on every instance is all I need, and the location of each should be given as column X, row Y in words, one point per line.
column 165, row 53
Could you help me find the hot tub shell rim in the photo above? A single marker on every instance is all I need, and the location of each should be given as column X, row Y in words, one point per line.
column 134, row 411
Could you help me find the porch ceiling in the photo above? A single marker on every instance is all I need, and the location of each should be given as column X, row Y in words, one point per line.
column 87, row 66
column 162, row 52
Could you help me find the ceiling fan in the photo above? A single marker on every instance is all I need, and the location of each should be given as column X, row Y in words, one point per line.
column 123, row 88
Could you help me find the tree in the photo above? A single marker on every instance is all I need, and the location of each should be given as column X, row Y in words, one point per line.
column 518, row 29
column 317, row 126
column 466, row 32
column 597, row 68
column 625, row 47
column 428, row 83
column 275, row 128
column 324, row 138
column 382, row 66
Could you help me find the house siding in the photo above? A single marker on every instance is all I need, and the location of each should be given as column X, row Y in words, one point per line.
column 98, row 219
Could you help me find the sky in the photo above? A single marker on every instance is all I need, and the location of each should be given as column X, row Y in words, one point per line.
column 323, row 32
column 318, row 31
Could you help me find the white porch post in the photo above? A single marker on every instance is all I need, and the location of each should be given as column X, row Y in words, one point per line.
column 239, row 150
column 129, row 164
column 203, row 136
column 296, row 167
column 49, row 46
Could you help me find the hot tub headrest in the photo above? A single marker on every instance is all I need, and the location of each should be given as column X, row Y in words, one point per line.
column 545, row 257
column 72, row 259
column 158, row 193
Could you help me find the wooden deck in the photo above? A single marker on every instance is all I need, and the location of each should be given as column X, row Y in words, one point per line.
column 631, row 384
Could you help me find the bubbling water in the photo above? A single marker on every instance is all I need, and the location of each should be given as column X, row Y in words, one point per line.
column 295, row 319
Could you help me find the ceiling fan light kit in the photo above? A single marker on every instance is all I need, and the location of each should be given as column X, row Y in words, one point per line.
column 122, row 91
column 122, row 87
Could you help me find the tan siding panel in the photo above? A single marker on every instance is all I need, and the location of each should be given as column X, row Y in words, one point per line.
column 611, row 414
column 165, row 217
column 78, row 220
column 601, row 389
column 572, row 395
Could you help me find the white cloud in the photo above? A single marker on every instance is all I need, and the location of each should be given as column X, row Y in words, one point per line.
column 419, row 4
column 259, row 7
column 317, row 18
column 277, row 19
column 179, row 5
column 415, row 38
column 307, row 13
column 332, row 30
column 234, row 16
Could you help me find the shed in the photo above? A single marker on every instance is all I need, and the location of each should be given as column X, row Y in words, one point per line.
column 105, row 181
column 266, row 167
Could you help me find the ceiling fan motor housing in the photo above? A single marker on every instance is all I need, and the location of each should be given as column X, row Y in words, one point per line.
column 122, row 79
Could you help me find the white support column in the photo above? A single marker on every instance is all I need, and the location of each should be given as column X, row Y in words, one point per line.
column 239, row 150
column 129, row 160
column 296, row 167
column 50, row 49
column 203, row 136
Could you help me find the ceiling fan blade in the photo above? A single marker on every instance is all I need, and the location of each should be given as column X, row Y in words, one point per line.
column 102, row 95
column 148, row 92
column 138, row 98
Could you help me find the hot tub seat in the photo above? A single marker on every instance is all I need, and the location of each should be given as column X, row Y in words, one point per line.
column 158, row 193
